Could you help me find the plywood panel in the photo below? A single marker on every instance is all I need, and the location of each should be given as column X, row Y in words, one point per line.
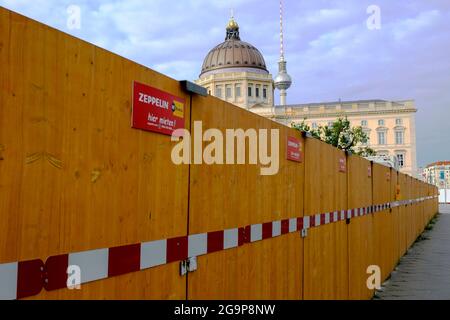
column 360, row 230
column 417, row 207
column 410, row 213
column 75, row 176
column 326, row 253
column 434, row 202
column 230, row 196
column 431, row 203
column 396, row 220
column 383, row 220
column 425, row 205
column 420, row 207
column 403, row 217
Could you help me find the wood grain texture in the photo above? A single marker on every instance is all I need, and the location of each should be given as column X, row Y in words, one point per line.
column 404, row 229
column 229, row 196
column 325, row 248
column 383, row 221
column 396, row 220
column 410, row 221
column 360, row 229
column 69, row 103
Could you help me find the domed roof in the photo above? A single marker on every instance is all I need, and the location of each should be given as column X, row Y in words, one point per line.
column 233, row 53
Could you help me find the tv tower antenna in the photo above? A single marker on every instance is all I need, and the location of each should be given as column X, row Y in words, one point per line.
column 282, row 81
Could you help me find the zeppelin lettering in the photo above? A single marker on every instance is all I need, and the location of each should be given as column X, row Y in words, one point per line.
column 155, row 110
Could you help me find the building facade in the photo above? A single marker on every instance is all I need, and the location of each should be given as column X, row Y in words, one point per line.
column 390, row 125
column 438, row 174
column 235, row 71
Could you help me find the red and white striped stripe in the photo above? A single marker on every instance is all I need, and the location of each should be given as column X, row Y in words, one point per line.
column 21, row 279
column 27, row 278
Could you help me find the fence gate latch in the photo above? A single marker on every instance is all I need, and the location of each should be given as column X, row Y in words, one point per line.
column 304, row 233
column 189, row 265
column 192, row 264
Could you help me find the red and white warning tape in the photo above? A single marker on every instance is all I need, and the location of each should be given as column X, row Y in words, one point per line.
column 27, row 278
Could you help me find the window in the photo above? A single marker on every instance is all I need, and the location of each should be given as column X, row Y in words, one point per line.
column 228, row 91
column 382, row 137
column 381, row 123
column 367, row 132
column 265, row 93
column 257, row 92
column 346, row 107
column 238, row 91
column 363, row 123
column 398, row 122
column 250, row 91
column 399, row 137
column 218, row 91
column 363, row 106
column 401, row 159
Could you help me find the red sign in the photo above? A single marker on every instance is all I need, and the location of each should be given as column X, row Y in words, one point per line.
column 294, row 149
column 342, row 165
column 156, row 110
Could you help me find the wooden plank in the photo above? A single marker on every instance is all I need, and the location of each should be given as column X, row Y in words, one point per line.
column 230, row 196
column 360, row 230
column 396, row 221
column 326, row 252
column 410, row 212
column 403, row 219
column 77, row 176
column 383, row 221
column 11, row 145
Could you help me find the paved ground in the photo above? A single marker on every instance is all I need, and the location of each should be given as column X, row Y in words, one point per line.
column 424, row 273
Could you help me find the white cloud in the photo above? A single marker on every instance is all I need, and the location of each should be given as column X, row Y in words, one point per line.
column 325, row 15
column 408, row 27
column 180, row 69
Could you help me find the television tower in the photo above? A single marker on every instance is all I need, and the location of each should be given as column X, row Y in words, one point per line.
column 282, row 81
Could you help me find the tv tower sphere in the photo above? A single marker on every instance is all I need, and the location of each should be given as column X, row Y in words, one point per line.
column 283, row 80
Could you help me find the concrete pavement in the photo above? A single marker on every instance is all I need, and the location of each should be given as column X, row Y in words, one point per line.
column 424, row 273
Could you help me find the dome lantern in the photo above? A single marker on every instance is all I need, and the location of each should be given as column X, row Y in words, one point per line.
column 232, row 30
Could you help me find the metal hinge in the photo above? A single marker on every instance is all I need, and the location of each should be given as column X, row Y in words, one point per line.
column 189, row 265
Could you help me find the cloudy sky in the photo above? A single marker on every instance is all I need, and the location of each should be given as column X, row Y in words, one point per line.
column 330, row 51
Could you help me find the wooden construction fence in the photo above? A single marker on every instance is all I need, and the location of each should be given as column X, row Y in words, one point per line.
column 75, row 176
